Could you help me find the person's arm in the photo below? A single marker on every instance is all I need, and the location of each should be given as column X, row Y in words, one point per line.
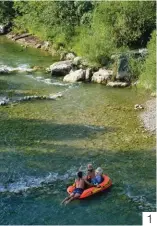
column 80, row 169
column 91, row 185
column 74, row 184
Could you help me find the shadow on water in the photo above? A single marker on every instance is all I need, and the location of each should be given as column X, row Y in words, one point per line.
column 11, row 89
column 23, row 132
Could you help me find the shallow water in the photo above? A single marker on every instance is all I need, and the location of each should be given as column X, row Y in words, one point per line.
column 43, row 143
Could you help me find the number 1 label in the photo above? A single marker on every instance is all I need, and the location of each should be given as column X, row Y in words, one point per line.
column 149, row 218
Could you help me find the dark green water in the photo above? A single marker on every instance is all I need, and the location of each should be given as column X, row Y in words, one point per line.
column 43, row 143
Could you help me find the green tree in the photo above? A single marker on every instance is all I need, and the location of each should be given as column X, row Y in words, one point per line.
column 148, row 75
column 6, row 12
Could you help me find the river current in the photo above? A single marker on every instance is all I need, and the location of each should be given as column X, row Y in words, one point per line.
column 44, row 142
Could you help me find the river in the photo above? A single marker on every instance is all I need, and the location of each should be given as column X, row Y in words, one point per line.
column 43, row 143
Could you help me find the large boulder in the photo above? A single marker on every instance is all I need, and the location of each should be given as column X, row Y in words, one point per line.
column 102, row 76
column 123, row 70
column 118, row 84
column 75, row 76
column 77, row 61
column 61, row 68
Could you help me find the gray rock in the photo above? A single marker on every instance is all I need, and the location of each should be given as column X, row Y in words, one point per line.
column 4, row 71
column 61, row 68
column 46, row 45
column 38, row 46
column 54, row 96
column 143, row 51
column 123, row 71
column 70, row 56
column 88, row 74
column 75, row 76
column 77, row 61
column 117, row 84
column 102, row 76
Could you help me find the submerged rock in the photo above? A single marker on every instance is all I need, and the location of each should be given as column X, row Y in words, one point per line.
column 118, row 84
column 102, row 76
column 75, row 76
column 4, row 71
column 6, row 101
column 61, row 68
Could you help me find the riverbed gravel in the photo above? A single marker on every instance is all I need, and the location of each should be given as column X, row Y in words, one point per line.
column 148, row 117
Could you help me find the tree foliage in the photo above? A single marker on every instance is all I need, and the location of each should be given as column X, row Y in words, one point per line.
column 148, row 75
column 95, row 29
column 6, row 12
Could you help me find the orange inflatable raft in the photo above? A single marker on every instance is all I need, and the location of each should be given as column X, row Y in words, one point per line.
column 93, row 190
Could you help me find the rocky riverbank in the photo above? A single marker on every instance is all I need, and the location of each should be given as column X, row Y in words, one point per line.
column 75, row 68
column 28, row 39
column 148, row 117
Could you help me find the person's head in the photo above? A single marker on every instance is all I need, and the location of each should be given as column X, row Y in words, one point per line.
column 90, row 168
column 99, row 171
column 80, row 174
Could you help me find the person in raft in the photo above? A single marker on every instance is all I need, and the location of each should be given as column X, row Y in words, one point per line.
column 79, row 188
column 90, row 173
column 94, row 177
column 98, row 176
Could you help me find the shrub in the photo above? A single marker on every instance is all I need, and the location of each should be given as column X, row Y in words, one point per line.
column 148, row 75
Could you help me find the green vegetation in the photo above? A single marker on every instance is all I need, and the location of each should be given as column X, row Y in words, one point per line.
column 92, row 29
column 6, row 12
column 148, row 76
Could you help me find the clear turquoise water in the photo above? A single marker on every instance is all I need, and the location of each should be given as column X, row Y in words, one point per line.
column 43, row 143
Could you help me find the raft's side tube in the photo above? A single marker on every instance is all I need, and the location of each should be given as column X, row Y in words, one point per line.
column 93, row 190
